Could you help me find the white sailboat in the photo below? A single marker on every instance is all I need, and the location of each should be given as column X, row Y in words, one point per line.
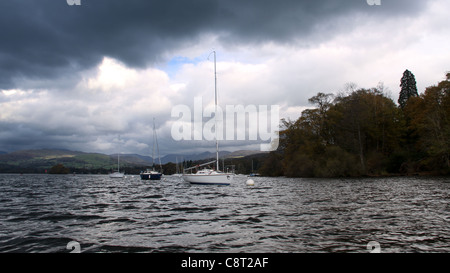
column 207, row 175
column 117, row 174
column 177, row 168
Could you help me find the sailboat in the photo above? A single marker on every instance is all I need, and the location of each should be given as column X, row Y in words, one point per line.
column 177, row 168
column 208, row 175
column 117, row 174
column 253, row 174
column 152, row 174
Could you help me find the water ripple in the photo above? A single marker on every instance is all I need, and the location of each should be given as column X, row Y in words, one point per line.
column 43, row 213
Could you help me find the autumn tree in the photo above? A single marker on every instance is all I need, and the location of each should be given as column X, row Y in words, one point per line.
column 367, row 124
column 350, row 135
column 434, row 126
column 59, row 169
column 363, row 132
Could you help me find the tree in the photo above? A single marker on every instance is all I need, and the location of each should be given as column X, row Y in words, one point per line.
column 366, row 124
column 59, row 169
column 428, row 129
column 435, row 125
column 363, row 132
column 408, row 88
column 352, row 135
column 318, row 116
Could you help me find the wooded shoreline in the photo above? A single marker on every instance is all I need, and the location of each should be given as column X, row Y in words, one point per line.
column 364, row 133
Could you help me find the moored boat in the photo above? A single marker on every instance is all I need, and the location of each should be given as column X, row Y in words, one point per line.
column 117, row 174
column 209, row 176
column 150, row 175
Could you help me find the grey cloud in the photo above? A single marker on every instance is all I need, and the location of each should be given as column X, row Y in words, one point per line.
column 48, row 38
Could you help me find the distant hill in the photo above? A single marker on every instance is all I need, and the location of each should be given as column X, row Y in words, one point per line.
column 243, row 153
column 173, row 158
column 45, row 159
column 25, row 156
column 194, row 157
column 206, row 155
column 132, row 159
column 38, row 161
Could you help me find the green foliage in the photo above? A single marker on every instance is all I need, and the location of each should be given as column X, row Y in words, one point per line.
column 59, row 169
column 365, row 133
column 428, row 119
column 272, row 165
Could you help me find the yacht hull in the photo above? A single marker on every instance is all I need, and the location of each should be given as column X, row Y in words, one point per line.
column 152, row 176
column 116, row 175
column 209, row 179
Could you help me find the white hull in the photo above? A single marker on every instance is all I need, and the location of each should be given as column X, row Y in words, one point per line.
column 209, row 179
column 116, row 175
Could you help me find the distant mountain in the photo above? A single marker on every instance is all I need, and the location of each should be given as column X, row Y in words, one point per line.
column 44, row 154
column 243, row 153
column 133, row 159
column 44, row 159
column 206, row 155
column 179, row 157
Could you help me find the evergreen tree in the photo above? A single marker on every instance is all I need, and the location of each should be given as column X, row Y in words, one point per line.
column 408, row 88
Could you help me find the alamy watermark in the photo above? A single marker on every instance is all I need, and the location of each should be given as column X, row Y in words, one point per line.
column 73, row 2
column 74, row 246
column 374, row 2
column 237, row 123
column 374, row 247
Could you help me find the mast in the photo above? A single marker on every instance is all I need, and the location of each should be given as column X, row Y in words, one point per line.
column 159, row 156
column 215, row 113
column 153, row 150
column 155, row 140
column 118, row 159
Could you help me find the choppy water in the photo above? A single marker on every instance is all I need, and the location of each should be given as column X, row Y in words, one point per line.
column 43, row 213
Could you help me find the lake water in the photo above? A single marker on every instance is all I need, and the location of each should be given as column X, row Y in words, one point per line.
column 43, row 213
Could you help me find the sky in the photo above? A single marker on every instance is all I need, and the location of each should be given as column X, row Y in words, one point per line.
column 95, row 77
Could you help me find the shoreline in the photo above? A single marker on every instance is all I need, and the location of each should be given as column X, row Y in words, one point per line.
column 415, row 174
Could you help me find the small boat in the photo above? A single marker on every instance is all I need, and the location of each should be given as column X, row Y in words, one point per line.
column 253, row 174
column 209, row 176
column 117, row 174
column 152, row 174
column 177, row 169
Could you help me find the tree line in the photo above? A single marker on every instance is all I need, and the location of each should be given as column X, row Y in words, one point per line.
column 244, row 165
column 364, row 132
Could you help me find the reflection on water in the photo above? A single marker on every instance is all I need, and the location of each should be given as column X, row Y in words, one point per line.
column 43, row 213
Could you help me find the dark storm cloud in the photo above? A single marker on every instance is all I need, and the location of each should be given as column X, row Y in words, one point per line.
column 50, row 39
